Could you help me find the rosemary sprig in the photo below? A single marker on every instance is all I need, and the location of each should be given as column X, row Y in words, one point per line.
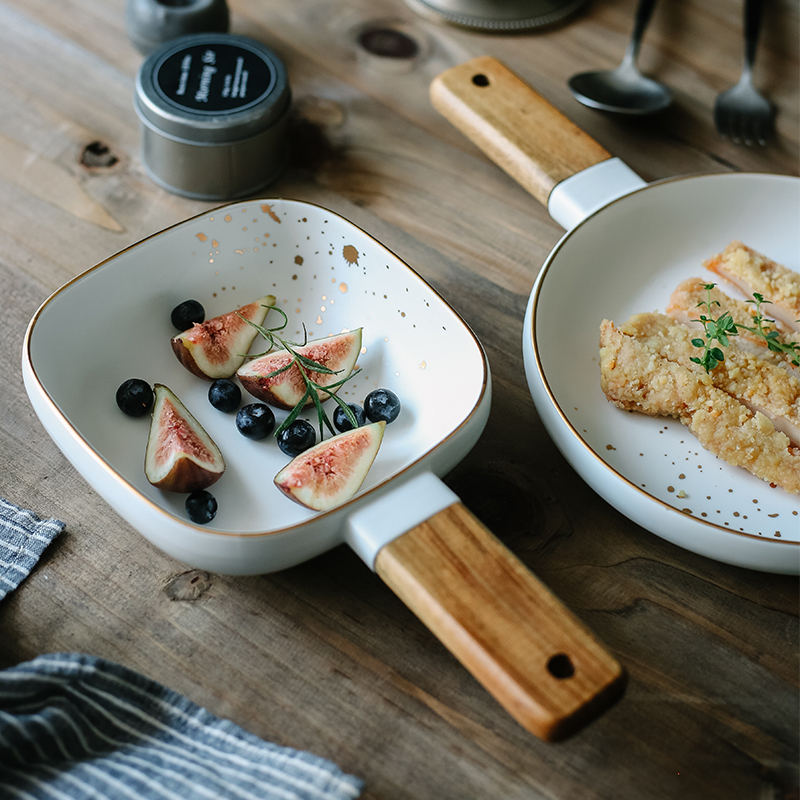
column 723, row 327
column 305, row 366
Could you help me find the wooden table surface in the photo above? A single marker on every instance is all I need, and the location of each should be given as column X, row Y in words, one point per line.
column 323, row 656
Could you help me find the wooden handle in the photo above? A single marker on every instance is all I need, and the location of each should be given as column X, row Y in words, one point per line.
column 506, row 628
column 518, row 129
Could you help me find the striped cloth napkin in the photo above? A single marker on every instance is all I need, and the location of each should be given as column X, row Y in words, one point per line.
column 77, row 727
column 23, row 538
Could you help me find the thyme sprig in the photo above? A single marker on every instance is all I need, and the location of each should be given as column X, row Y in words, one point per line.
column 771, row 336
column 305, row 367
column 716, row 330
column 723, row 327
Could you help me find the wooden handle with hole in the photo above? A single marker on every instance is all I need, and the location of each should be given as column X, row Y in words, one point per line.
column 517, row 128
column 534, row 656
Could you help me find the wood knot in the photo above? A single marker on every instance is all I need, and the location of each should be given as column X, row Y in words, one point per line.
column 387, row 42
column 191, row 585
column 97, row 155
column 391, row 46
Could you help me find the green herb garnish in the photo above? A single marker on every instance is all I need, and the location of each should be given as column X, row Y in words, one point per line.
column 720, row 329
column 305, row 366
column 789, row 349
column 716, row 330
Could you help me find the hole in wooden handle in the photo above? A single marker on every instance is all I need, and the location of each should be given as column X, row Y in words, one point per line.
column 480, row 79
column 560, row 666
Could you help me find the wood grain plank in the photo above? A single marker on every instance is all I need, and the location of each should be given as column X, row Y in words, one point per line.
column 323, row 656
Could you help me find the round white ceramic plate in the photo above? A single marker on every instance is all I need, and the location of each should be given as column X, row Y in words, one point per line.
column 627, row 258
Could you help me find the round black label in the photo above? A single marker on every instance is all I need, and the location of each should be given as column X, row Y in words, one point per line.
column 214, row 78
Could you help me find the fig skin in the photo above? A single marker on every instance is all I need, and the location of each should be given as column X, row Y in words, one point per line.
column 186, row 358
column 286, row 390
column 331, row 472
column 225, row 332
column 187, row 474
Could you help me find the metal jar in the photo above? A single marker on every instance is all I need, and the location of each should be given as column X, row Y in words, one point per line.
column 213, row 108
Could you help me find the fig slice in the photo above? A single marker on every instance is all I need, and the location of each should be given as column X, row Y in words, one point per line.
column 211, row 349
column 180, row 455
column 332, row 471
column 286, row 389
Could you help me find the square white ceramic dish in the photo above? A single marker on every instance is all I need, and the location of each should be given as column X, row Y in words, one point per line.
column 113, row 322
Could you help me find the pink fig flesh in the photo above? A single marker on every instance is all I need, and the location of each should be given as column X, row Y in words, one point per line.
column 211, row 349
column 285, row 390
column 180, row 455
column 331, row 472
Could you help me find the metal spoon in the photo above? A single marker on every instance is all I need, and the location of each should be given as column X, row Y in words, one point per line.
column 624, row 90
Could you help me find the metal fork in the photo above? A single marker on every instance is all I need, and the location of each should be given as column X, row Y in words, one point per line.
column 741, row 113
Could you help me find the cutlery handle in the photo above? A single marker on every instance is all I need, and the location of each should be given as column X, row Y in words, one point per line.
column 517, row 128
column 536, row 658
column 752, row 29
column 643, row 13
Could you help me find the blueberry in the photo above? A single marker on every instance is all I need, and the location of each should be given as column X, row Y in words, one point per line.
column 255, row 421
column 296, row 438
column 224, row 395
column 382, row 404
column 201, row 507
column 342, row 423
column 135, row 397
column 185, row 314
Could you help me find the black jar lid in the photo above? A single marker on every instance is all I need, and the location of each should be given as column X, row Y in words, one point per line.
column 211, row 88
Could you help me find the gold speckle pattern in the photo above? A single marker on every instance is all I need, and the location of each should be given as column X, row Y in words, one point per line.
column 267, row 209
column 740, row 520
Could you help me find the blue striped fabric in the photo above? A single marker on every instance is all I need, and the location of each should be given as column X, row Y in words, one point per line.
column 23, row 538
column 77, row 727
column 74, row 726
